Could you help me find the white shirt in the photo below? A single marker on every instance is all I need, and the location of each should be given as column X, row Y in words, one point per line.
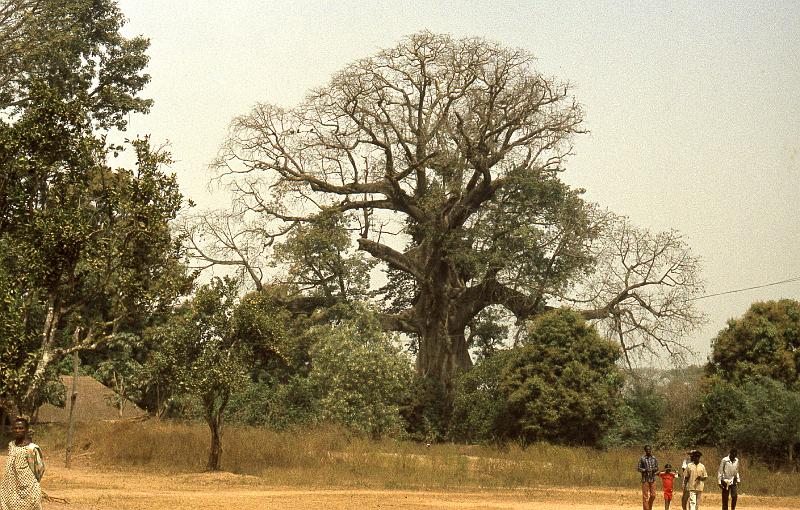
column 728, row 471
column 684, row 465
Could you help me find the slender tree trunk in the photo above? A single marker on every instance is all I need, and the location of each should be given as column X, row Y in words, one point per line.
column 73, row 399
column 214, row 417
column 49, row 330
column 215, row 453
column 159, row 410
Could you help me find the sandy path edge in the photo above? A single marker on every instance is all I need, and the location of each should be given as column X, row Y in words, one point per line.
column 88, row 488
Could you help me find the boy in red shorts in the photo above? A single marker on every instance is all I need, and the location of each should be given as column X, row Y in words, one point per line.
column 667, row 476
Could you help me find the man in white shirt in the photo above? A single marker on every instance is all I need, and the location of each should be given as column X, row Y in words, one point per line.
column 694, row 477
column 728, row 479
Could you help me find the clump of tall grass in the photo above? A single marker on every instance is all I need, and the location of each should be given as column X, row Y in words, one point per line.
column 332, row 456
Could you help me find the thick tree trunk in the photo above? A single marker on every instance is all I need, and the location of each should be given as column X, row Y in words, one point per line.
column 442, row 355
column 442, row 344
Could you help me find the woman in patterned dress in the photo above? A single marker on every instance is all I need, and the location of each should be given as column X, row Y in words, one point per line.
column 20, row 489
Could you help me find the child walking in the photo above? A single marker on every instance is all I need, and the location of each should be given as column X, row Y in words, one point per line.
column 667, row 476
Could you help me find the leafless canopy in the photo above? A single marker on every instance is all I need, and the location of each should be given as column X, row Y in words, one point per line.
column 642, row 287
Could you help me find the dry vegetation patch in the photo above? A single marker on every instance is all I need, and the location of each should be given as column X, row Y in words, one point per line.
column 160, row 465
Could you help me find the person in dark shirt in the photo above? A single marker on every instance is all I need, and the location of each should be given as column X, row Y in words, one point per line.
column 648, row 467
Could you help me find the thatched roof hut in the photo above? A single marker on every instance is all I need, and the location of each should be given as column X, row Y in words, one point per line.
column 95, row 402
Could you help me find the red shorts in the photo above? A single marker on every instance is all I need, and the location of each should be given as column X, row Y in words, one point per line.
column 667, row 495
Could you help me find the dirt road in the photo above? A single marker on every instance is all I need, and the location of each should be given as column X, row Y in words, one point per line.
column 88, row 488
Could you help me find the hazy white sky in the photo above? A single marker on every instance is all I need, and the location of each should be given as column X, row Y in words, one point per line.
column 693, row 107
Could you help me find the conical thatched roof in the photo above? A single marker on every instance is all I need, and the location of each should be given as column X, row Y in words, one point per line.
column 95, row 403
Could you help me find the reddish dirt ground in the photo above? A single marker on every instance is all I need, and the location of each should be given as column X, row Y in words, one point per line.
column 85, row 487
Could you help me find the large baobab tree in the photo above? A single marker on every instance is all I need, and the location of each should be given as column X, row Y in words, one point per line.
column 441, row 158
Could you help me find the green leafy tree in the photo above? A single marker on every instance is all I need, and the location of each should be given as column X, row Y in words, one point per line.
column 359, row 376
column 92, row 257
column 451, row 149
column 76, row 50
column 204, row 359
column 751, row 393
column 278, row 394
column 87, row 246
column 562, row 385
column 764, row 342
column 766, row 420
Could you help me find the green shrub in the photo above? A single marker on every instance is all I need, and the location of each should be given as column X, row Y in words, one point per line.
column 479, row 404
column 638, row 420
column 761, row 417
column 359, row 376
column 562, row 385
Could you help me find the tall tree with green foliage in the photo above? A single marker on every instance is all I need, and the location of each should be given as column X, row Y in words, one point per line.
column 443, row 158
column 91, row 261
column 87, row 252
column 751, row 395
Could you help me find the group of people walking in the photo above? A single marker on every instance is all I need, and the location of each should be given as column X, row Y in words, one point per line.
column 692, row 477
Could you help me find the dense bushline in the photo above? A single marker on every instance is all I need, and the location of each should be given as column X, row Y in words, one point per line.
column 561, row 384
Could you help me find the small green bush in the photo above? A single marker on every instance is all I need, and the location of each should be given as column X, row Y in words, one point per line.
column 562, row 385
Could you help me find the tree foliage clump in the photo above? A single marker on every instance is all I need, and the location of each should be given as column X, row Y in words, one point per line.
column 359, row 375
column 639, row 418
column 751, row 396
column 340, row 367
column 561, row 385
column 760, row 416
column 764, row 342
column 75, row 49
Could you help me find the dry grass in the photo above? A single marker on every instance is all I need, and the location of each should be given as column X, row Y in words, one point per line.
column 332, row 457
